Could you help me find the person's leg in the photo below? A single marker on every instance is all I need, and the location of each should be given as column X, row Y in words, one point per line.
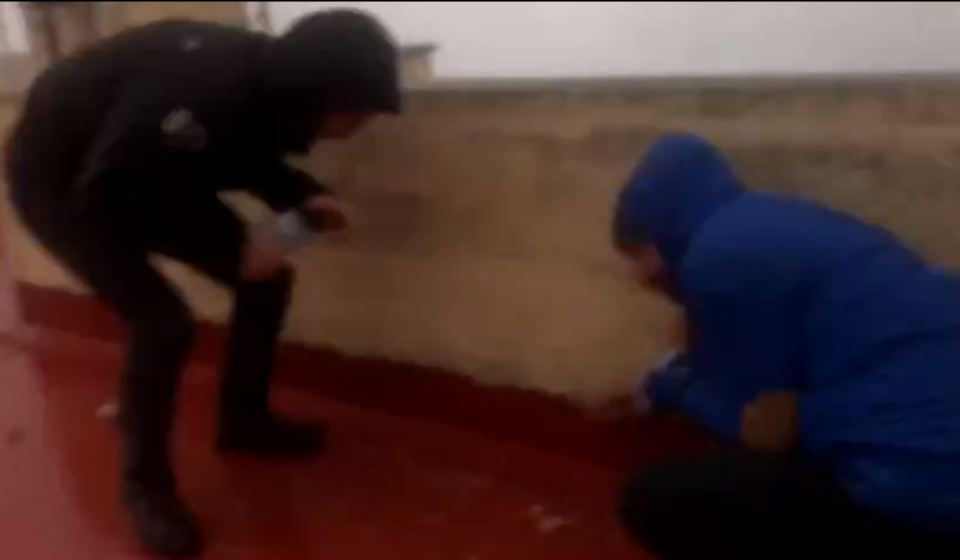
column 737, row 505
column 116, row 269
column 866, row 533
column 246, row 422
column 161, row 331
column 758, row 506
column 209, row 237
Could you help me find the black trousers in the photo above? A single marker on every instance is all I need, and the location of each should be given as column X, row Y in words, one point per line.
column 754, row 505
column 108, row 250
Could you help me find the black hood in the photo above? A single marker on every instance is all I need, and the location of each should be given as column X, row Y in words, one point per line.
column 329, row 61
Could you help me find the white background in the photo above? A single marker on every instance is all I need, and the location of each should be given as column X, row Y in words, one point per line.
column 553, row 39
column 13, row 33
column 583, row 39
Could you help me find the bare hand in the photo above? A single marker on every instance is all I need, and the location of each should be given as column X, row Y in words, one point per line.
column 327, row 213
column 262, row 259
column 771, row 422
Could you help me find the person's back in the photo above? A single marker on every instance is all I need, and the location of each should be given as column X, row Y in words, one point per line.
column 122, row 89
column 786, row 297
column 877, row 354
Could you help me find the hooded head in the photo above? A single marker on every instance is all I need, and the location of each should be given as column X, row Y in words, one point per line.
column 680, row 182
column 336, row 62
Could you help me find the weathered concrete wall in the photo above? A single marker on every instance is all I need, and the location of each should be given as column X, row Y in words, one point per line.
column 120, row 15
column 483, row 243
column 16, row 73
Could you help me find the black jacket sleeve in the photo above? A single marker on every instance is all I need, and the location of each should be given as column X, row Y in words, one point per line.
column 177, row 119
column 131, row 148
column 278, row 184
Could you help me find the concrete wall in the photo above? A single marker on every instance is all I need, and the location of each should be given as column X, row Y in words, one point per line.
column 59, row 29
column 483, row 242
column 119, row 15
column 16, row 72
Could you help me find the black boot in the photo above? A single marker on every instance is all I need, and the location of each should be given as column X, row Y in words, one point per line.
column 246, row 425
column 269, row 436
column 160, row 339
column 162, row 521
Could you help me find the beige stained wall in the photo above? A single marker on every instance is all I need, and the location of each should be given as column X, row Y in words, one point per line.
column 482, row 245
column 118, row 15
column 16, row 71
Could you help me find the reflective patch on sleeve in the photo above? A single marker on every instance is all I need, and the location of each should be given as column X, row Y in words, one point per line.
column 182, row 131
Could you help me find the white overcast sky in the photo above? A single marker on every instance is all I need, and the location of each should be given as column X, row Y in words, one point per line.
column 555, row 39
column 582, row 39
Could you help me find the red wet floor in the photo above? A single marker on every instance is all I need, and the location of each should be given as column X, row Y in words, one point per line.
column 389, row 488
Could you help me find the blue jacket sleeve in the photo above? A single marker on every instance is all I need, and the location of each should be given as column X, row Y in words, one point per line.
column 663, row 386
column 673, row 386
column 748, row 339
column 716, row 408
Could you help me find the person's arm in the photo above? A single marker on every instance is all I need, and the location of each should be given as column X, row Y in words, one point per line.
column 143, row 136
column 662, row 387
column 674, row 386
column 305, row 208
column 715, row 407
column 749, row 341
column 279, row 185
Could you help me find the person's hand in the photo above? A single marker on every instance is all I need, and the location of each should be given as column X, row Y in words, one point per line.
column 663, row 387
column 771, row 422
column 327, row 213
column 640, row 401
column 616, row 408
column 262, row 259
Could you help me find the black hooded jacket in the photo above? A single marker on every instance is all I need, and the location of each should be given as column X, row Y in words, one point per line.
column 189, row 107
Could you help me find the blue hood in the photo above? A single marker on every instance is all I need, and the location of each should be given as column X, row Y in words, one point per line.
column 681, row 181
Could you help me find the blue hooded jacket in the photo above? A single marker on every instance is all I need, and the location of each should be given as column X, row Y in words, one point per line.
column 787, row 294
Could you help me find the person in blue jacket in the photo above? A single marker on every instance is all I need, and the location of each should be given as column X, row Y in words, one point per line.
column 824, row 352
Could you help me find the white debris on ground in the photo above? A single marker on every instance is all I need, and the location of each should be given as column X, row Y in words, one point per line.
column 108, row 410
column 547, row 522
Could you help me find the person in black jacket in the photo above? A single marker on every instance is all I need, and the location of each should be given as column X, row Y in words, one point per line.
column 120, row 153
